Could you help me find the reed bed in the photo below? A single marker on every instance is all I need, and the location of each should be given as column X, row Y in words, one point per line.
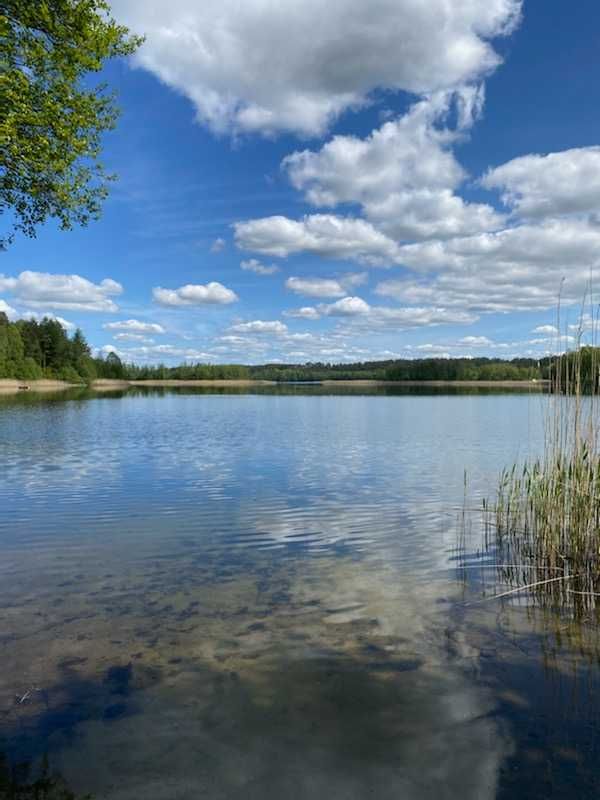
column 545, row 521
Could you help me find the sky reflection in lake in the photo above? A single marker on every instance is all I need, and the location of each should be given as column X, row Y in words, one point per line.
column 257, row 595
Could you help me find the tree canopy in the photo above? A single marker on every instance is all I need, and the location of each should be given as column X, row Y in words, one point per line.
column 30, row 349
column 52, row 118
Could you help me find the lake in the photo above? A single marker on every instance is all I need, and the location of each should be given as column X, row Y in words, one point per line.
column 272, row 594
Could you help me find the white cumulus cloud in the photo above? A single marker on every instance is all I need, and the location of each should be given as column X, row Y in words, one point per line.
column 346, row 307
column 417, row 317
column 566, row 182
column 295, row 65
column 213, row 293
column 403, row 154
column 134, row 326
column 524, row 267
column 368, row 318
column 326, row 287
column 57, row 292
column 475, row 341
column 324, row 235
column 403, row 174
column 259, row 326
column 546, row 330
column 133, row 337
column 306, row 312
column 254, row 265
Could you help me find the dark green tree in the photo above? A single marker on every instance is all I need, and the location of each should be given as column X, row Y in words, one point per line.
column 11, row 351
column 81, row 356
column 79, row 346
column 54, row 344
column 30, row 335
column 51, row 118
column 114, row 367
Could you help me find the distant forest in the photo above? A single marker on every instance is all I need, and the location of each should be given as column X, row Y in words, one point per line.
column 32, row 349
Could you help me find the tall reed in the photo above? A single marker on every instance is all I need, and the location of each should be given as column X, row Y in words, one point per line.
column 546, row 516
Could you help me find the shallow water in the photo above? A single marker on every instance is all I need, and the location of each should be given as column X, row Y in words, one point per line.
column 266, row 594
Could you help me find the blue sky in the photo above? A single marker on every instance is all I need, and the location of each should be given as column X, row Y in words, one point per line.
column 340, row 182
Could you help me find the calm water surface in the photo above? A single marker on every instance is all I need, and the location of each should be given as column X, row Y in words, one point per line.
column 265, row 595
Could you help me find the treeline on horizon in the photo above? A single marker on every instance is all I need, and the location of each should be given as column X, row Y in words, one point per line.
column 32, row 349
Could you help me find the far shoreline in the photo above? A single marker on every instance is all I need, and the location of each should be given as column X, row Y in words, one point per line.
column 118, row 384
column 13, row 386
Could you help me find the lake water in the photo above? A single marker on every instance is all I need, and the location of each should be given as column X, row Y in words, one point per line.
column 270, row 594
